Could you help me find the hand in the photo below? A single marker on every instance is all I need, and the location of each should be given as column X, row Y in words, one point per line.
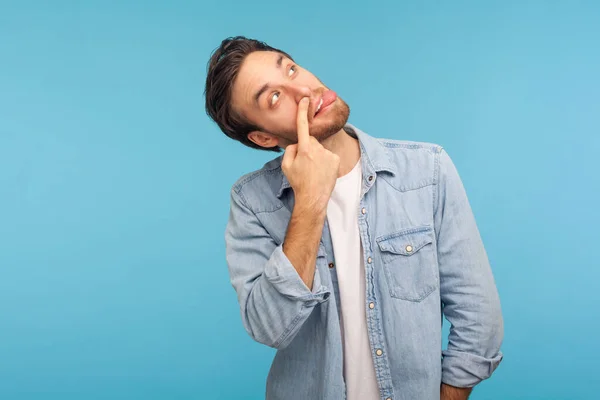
column 311, row 169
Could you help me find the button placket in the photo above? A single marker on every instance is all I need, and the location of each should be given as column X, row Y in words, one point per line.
column 371, row 304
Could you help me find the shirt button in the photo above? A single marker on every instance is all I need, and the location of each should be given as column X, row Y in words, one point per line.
column 389, row 398
column 379, row 352
column 331, row 265
column 370, row 178
column 364, row 211
column 409, row 248
column 371, row 305
column 369, row 260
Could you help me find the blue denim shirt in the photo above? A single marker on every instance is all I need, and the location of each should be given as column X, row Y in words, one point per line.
column 424, row 258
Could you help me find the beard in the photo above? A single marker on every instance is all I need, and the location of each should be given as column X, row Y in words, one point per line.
column 330, row 123
column 324, row 126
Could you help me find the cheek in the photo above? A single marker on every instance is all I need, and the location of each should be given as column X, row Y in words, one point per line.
column 284, row 117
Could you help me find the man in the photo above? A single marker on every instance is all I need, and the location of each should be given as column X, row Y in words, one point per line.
column 346, row 251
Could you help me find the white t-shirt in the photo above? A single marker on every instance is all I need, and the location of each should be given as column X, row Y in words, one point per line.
column 342, row 217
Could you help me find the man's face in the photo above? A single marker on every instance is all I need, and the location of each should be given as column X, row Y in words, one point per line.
column 267, row 91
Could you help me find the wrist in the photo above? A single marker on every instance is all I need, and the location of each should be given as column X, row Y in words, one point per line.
column 448, row 392
column 306, row 207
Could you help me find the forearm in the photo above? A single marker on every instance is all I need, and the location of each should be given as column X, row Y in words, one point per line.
column 448, row 392
column 301, row 243
column 276, row 304
column 274, row 299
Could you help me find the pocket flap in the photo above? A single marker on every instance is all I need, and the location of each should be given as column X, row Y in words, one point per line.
column 407, row 241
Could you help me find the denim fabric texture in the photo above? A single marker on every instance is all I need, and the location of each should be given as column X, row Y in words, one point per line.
column 427, row 261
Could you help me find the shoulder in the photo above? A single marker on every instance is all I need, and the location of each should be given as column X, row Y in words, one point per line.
column 416, row 163
column 409, row 148
column 258, row 189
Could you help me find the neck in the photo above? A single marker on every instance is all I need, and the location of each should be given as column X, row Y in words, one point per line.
column 346, row 147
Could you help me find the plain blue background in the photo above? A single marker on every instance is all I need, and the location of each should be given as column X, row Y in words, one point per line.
column 114, row 185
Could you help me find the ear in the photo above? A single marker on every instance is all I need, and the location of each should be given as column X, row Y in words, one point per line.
column 263, row 139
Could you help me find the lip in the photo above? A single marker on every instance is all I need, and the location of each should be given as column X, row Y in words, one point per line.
column 316, row 102
column 323, row 109
column 329, row 97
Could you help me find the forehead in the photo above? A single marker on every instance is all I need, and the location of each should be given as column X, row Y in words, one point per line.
column 258, row 68
column 261, row 59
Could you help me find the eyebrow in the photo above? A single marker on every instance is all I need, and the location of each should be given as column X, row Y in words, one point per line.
column 265, row 87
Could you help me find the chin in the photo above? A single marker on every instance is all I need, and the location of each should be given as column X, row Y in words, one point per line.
column 334, row 124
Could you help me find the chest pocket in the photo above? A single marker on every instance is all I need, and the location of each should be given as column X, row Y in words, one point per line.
column 409, row 263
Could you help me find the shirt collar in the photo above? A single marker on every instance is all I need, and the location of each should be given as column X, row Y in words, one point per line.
column 374, row 157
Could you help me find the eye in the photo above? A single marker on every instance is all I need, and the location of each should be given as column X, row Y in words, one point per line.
column 292, row 70
column 274, row 98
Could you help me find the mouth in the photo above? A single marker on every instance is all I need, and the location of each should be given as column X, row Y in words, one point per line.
column 324, row 102
column 319, row 106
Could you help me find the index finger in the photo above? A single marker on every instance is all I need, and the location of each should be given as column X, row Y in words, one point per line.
column 302, row 123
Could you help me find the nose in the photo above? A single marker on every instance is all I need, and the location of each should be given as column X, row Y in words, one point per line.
column 299, row 91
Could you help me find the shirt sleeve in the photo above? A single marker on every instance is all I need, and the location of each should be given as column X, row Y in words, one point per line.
column 274, row 300
column 468, row 291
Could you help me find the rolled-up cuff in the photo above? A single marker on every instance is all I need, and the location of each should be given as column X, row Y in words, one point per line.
column 467, row 370
column 280, row 272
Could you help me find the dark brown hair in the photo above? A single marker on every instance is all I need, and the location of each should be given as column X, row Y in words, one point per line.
column 222, row 70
